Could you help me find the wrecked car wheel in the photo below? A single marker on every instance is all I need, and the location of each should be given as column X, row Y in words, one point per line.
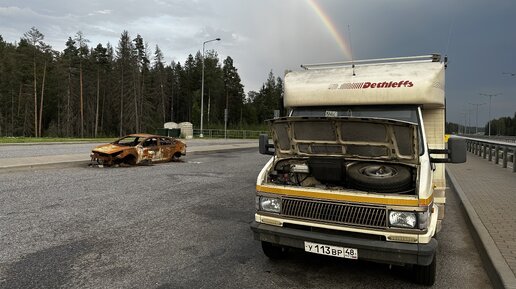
column 129, row 160
column 175, row 157
column 379, row 177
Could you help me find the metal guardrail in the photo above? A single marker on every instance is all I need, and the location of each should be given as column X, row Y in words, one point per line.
column 500, row 151
column 235, row 134
column 499, row 138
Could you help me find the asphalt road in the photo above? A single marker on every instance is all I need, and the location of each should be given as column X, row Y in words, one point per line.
column 52, row 149
column 178, row 225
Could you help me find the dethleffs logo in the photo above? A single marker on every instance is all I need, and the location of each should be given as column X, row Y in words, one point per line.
column 367, row 84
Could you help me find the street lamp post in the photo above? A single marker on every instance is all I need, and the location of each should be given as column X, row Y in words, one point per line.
column 476, row 117
column 490, row 96
column 202, row 83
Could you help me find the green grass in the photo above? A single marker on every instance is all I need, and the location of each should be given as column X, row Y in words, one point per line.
column 51, row 139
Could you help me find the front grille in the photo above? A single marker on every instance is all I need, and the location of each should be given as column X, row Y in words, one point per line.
column 330, row 212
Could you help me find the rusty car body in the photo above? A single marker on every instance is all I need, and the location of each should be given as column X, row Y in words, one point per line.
column 137, row 149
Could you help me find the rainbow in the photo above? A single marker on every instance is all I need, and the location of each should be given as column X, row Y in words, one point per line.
column 346, row 49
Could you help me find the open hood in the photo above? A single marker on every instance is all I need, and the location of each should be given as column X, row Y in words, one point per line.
column 360, row 138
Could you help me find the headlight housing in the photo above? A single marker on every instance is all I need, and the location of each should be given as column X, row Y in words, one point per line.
column 268, row 204
column 402, row 219
column 411, row 220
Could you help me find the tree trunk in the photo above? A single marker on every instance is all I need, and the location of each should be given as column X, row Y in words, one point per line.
column 35, row 100
column 142, row 100
column 41, row 99
column 19, row 100
column 25, row 121
column 121, row 103
column 135, row 91
column 162, row 97
column 103, row 110
column 172, row 104
column 68, row 101
column 97, row 107
column 82, row 104
column 12, row 112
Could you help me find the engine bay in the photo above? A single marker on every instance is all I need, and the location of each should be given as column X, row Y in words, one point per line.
column 343, row 174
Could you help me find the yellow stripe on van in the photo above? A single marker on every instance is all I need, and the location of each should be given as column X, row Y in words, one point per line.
column 343, row 197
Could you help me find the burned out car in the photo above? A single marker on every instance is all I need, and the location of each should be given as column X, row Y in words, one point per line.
column 137, row 149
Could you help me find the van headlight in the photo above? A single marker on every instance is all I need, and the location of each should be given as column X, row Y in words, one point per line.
column 402, row 219
column 269, row 204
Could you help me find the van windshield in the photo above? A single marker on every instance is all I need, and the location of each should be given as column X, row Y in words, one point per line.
column 403, row 113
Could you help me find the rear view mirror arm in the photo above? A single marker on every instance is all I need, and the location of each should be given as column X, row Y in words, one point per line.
column 441, row 152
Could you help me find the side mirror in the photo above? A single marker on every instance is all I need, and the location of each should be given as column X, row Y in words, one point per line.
column 456, row 152
column 264, row 146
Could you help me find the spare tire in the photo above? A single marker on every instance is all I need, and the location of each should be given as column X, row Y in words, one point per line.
column 379, row 177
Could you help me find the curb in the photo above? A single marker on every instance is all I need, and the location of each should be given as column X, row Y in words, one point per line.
column 499, row 273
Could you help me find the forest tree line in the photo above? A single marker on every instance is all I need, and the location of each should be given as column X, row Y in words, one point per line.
column 503, row 126
column 101, row 90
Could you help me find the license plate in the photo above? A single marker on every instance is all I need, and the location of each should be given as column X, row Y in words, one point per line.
column 328, row 250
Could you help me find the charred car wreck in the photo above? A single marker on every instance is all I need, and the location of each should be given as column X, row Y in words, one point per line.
column 137, row 149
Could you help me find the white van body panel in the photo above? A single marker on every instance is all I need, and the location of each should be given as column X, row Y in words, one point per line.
column 418, row 82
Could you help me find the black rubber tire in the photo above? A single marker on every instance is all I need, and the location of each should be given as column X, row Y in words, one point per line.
column 274, row 252
column 399, row 182
column 175, row 157
column 425, row 275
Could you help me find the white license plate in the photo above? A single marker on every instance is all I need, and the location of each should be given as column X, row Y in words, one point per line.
column 335, row 251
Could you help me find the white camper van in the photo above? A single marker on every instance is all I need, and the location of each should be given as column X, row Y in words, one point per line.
column 358, row 165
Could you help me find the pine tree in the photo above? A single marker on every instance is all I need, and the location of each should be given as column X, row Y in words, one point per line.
column 100, row 56
column 35, row 39
column 124, row 69
column 83, row 53
column 234, row 91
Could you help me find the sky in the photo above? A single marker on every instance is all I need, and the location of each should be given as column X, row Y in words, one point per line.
column 276, row 35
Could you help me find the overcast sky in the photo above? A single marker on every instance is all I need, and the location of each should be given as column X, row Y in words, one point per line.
column 263, row 35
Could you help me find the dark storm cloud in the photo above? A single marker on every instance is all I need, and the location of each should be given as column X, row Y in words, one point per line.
column 276, row 35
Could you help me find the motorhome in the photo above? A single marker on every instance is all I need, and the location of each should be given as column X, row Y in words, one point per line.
column 357, row 166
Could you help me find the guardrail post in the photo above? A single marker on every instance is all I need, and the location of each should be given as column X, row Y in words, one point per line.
column 514, row 160
column 490, row 158
column 497, row 156
column 504, row 160
column 485, row 150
